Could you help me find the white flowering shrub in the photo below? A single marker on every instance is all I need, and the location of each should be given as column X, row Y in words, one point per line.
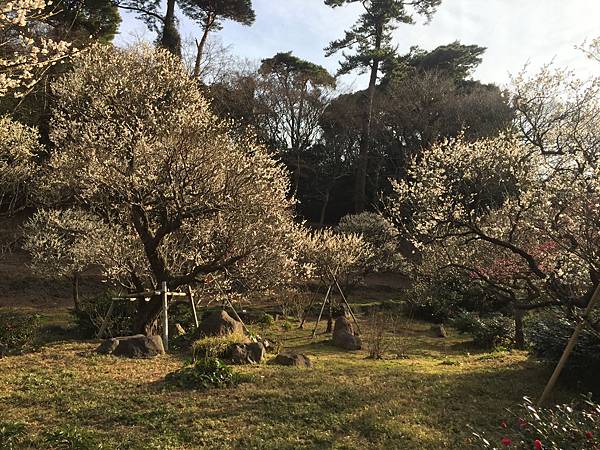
column 173, row 196
column 24, row 55
column 519, row 213
column 329, row 254
column 380, row 233
column 19, row 145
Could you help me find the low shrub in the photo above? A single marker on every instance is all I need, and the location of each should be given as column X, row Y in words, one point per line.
column 266, row 320
column 94, row 310
column 204, row 373
column 548, row 336
column 489, row 332
column 378, row 327
column 18, row 332
column 493, row 331
column 573, row 426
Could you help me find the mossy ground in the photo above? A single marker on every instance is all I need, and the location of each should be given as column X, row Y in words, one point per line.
column 66, row 396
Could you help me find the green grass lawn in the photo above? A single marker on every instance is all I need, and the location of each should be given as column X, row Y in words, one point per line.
column 66, row 396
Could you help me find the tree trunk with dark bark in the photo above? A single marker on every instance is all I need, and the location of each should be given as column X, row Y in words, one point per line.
column 76, row 302
column 147, row 315
column 519, row 329
column 170, row 39
column 360, row 187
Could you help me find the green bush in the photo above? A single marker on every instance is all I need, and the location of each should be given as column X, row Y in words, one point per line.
column 464, row 322
column 93, row 311
column 493, row 331
column 215, row 346
column 573, row 426
column 205, row 373
column 489, row 332
column 439, row 299
column 548, row 336
column 266, row 320
column 18, row 332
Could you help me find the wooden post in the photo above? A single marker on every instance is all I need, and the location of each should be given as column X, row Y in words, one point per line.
column 105, row 321
column 191, row 295
column 347, row 304
column 570, row 345
column 165, row 316
column 321, row 313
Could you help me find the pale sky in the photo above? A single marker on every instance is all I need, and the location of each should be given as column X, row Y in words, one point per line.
column 515, row 32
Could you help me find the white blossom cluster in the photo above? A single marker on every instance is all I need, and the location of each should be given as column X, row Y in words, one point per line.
column 24, row 55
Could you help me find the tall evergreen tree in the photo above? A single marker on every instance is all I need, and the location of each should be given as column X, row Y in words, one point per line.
column 210, row 14
column 371, row 42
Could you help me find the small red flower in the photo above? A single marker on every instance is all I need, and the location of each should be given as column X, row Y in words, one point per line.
column 589, row 435
column 503, row 424
column 506, row 442
column 537, row 444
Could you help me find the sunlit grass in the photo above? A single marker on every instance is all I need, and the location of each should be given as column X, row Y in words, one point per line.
column 422, row 400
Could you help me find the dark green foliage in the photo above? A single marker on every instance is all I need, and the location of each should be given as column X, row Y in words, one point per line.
column 489, row 331
column 93, row 311
column 205, row 373
column 11, row 434
column 83, row 20
column 298, row 71
column 493, row 331
column 18, row 332
column 370, row 37
column 572, row 426
column 266, row 320
column 548, row 336
column 208, row 12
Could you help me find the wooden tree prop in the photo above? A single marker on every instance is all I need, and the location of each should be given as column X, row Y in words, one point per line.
column 570, row 345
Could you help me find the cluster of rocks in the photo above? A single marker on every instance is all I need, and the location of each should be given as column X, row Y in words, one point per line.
column 218, row 323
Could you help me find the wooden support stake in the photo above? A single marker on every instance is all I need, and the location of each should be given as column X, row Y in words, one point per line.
column 347, row 304
column 105, row 321
column 191, row 295
column 321, row 313
column 306, row 311
column 165, row 316
column 569, row 348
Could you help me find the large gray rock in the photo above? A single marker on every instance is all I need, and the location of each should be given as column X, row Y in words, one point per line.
column 137, row 346
column 219, row 323
column 252, row 353
column 291, row 359
column 343, row 335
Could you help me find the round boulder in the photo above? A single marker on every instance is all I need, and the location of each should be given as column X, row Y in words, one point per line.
column 292, row 359
column 137, row 346
column 219, row 323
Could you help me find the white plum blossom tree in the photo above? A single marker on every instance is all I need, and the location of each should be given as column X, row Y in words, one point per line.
column 518, row 213
column 175, row 197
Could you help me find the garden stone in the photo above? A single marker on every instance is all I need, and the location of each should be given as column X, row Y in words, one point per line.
column 252, row 353
column 439, row 331
column 343, row 335
column 292, row 359
column 137, row 346
column 219, row 323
